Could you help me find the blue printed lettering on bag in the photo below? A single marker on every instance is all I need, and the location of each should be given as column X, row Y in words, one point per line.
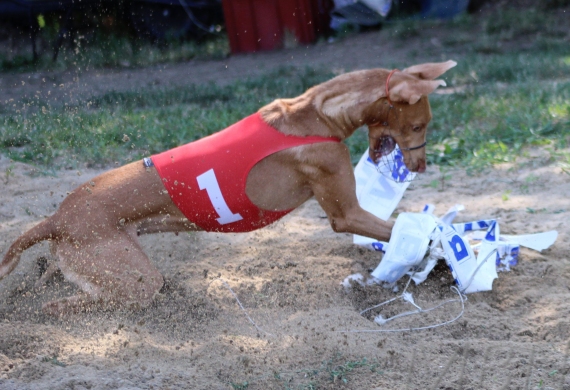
column 399, row 170
column 459, row 248
column 378, row 246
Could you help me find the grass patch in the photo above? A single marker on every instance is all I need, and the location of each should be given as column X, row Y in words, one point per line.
column 492, row 124
column 510, row 101
column 489, row 123
column 337, row 371
column 119, row 127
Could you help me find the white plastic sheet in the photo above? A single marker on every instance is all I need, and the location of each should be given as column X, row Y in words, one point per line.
column 376, row 189
column 378, row 192
column 408, row 246
column 419, row 240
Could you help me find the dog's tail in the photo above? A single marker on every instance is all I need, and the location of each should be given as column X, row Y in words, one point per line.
column 45, row 230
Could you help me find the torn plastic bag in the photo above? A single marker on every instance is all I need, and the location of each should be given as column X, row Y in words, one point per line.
column 407, row 247
column 473, row 267
column 471, row 273
column 370, row 243
column 378, row 194
column 538, row 241
column 420, row 273
column 507, row 255
column 448, row 217
column 508, row 246
column 462, row 228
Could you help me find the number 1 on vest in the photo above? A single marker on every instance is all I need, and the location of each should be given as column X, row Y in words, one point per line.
column 208, row 181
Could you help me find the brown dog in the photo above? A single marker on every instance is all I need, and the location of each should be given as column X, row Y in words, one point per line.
column 94, row 233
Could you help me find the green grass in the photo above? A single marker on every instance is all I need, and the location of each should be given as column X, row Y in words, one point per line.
column 492, row 124
column 337, row 371
column 121, row 127
column 507, row 102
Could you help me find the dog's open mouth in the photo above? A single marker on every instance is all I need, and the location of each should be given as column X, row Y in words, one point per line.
column 383, row 146
column 389, row 159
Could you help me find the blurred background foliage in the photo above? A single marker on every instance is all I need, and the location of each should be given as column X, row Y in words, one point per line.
column 101, row 33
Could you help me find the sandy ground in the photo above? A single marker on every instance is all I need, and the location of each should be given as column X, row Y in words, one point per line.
column 287, row 277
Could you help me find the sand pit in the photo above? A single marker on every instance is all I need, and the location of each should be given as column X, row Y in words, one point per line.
column 287, row 277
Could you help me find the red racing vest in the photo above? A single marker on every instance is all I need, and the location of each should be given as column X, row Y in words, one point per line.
column 206, row 179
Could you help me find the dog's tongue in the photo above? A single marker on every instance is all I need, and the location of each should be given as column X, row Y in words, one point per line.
column 383, row 147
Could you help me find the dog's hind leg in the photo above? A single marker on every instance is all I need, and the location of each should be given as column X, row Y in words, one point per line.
column 48, row 267
column 47, row 275
column 111, row 271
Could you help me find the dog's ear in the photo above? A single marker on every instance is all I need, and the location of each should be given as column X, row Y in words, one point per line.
column 410, row 91
column 431, row 70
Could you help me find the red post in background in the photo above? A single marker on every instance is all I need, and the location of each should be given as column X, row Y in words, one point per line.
column 254, row 25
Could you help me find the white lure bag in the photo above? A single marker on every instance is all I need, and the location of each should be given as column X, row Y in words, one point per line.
column 407, row 247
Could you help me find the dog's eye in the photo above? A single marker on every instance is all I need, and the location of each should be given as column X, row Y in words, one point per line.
column 417, row 129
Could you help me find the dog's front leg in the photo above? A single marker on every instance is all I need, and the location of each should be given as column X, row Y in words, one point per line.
column 334, row 187
column 349, row 217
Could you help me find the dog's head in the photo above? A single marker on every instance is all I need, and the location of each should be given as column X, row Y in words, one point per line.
column 402, row 114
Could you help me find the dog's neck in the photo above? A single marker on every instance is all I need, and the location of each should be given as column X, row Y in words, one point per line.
column 331, row 110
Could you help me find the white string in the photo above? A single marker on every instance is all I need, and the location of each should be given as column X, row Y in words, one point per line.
column 390, row 300
column 408, row 298
column 241, row 306
column 462, row 299
column 420, row 310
